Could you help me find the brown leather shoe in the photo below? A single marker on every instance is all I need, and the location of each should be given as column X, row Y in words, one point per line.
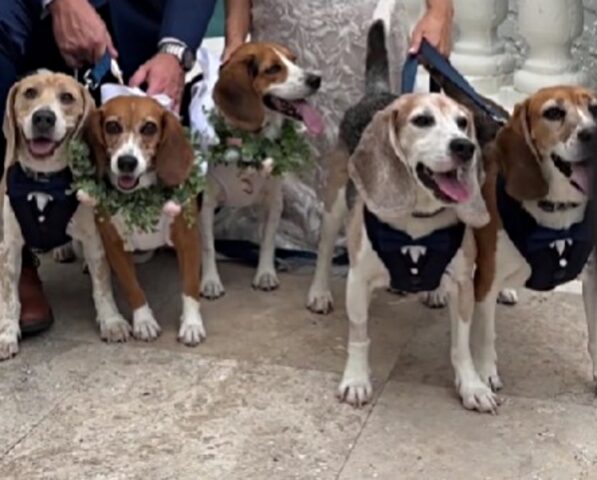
column 36, row 313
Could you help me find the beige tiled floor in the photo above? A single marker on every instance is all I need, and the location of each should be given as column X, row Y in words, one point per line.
column 256, row 400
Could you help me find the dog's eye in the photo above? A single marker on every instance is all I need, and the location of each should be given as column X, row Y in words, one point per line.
column 554, row 114
column 273, row 70
column 462, row 123
column 149, row 128
column 30, row 93
column 67, row 98
column 113, row 128
column 423, row 121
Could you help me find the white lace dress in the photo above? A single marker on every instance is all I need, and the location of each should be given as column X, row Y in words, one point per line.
column 328, row 36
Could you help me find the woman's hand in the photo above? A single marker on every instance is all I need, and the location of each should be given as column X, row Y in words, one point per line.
column 435, row 27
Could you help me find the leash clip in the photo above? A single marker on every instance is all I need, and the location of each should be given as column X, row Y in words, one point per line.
column 93, row 77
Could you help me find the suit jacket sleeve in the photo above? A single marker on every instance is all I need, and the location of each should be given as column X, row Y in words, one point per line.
column 187, row 20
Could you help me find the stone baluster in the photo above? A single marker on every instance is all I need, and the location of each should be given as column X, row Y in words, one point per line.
column 478, row 52
column 549, row 28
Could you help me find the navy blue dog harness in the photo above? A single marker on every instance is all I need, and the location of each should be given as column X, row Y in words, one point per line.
column 415, row 265
column 555, row 256
column 43, row 205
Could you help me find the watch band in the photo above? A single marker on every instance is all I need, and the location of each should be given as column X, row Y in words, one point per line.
column 179, row 50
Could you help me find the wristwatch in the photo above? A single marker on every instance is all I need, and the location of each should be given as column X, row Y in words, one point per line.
column 183, row 54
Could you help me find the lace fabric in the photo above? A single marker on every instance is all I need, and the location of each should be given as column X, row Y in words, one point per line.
column 329, row 36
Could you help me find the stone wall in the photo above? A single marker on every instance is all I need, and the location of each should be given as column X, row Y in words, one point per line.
column 584, row 49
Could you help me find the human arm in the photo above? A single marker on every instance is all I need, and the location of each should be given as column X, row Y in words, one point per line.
column 184, row 22
column 435, row 26
column 238, row 25
column 80, row 33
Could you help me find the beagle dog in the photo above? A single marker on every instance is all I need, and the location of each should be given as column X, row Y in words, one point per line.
column 415, row 172
column 258, row 89
column 137, row 143
column 537, row 192
column 44, row 112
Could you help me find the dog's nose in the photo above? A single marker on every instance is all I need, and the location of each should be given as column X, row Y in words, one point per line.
column 313, row 81
column 586, row 135
column 127, row 163
column 462, row 149
column 44, row 120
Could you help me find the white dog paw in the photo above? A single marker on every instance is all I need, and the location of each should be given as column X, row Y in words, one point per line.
column 9, row 345
column 475, row 395
column 508, row 296
column 435, row 299
column 64, row 254
column 191, row 330
column 145, row 326
column 320, row 300
column 266, row 281
column 115, row 329
column 355, row 391
column 212, row 288
column 489, row 375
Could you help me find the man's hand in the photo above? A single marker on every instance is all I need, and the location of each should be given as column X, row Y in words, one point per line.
column 163, row 74
column 436, row 28
column 229, row 49
column 80, row 33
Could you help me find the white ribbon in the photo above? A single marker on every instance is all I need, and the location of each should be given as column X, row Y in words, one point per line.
column 109, row 91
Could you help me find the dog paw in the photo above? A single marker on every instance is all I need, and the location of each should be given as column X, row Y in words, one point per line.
column 355, row 391
column 266, row 281
column 489, row 375
column 508, row 296
column 191, row 334
column 115, row 329
column 145, row 326
column 9, row 345
column 435, row 299
column 212, row 288
column 320, row 300
column 64, row 254
column 475, row 395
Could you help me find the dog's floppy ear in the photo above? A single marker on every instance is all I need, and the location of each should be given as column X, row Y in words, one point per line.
column 474, row 212
column 377, row 169
column 519, row 158
column 9, row 127
column 175, row 156
column 94, row 137
column 88, row 107
column 235, row 95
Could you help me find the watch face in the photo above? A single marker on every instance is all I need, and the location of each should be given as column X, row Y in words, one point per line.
column 188, row 59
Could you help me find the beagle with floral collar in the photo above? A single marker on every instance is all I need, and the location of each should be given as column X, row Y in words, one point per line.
column 136, row 144
column 44, row 112
column 258, row 91
column 537, row 191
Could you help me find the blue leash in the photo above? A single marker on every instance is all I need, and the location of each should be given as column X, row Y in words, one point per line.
column 435, row 62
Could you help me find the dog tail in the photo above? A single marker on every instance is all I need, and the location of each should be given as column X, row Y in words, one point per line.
column 377, row 69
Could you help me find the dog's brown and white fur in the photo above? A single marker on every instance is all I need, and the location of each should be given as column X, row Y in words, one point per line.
column 558, row 121
column 384, row 171
column 69, row 104
column 257, row 78
column 137, row 143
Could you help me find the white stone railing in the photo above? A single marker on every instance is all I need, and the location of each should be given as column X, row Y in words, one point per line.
column 509, row 49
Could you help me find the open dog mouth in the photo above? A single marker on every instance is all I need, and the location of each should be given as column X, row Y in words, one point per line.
column 298, row 110
column 448, row 187
column 126, row 183
column 42, row 147
column 576, row 172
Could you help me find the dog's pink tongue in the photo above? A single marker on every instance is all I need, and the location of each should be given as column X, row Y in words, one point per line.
column 580, row 176
column 311, row 117
column 453, row 188
column 41, row 147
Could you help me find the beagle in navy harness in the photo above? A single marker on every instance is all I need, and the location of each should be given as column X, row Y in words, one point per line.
column 43, row 205
column 555, row 256
column 414, row 265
